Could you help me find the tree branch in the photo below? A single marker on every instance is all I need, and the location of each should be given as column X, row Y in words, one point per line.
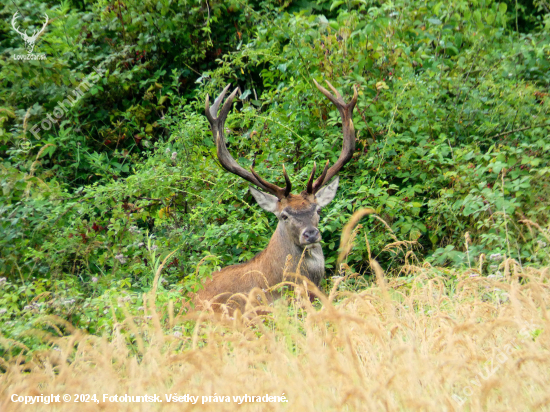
column 522, row 129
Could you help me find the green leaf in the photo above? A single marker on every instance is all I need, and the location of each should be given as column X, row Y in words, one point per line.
column 477, row 16
column 458, row 40
column 452, row 50
column 336, row 4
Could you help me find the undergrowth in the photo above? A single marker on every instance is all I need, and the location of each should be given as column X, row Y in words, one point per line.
column 433, row 340
column 430, row 339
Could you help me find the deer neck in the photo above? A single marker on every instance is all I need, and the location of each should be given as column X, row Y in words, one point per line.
column 281, row 246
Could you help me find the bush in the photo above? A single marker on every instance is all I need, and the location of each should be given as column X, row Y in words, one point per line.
column 452, row 139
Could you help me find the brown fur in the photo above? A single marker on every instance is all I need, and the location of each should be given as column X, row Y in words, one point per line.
column 231, row 285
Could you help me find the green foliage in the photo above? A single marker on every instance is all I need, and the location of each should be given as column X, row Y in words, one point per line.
column 150, row 51
column 452, row 130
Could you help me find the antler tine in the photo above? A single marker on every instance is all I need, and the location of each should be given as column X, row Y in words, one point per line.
column 309, row 187
column 348, row 145
column 217, row 122
column 212, row 112
column 322, row 177
column 275, row 190
column 288, row 187
column 336, row 92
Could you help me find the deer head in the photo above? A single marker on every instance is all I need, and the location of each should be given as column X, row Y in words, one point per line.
column 298, row 214
column 29, row 40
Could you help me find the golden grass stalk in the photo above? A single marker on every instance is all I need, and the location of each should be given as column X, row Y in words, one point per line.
column 478, row 344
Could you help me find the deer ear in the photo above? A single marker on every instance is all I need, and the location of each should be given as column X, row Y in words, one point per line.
column 327, row 193
column 266, row 201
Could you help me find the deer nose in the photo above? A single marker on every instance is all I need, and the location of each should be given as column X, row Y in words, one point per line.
column 311, row 235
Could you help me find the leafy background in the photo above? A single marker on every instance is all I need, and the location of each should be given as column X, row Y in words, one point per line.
column 452, row 128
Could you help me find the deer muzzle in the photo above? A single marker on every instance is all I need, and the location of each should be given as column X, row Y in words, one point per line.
column 310, row 235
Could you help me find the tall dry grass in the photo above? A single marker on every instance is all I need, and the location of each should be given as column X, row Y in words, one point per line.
column 427, row 344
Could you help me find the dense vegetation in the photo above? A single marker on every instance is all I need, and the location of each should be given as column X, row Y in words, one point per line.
column 452, row 128
column 429, row 344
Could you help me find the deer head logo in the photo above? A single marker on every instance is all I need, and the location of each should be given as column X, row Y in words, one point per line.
column 29, row 40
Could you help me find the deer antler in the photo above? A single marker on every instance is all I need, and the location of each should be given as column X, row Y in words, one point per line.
column 348, row 146
column 15, row 17
column 217, row 122
column 35, row 35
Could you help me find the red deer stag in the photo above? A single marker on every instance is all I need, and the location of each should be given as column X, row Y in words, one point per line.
column 296, row 238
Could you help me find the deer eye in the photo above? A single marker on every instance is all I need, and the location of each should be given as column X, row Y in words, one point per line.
column 284, row 217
